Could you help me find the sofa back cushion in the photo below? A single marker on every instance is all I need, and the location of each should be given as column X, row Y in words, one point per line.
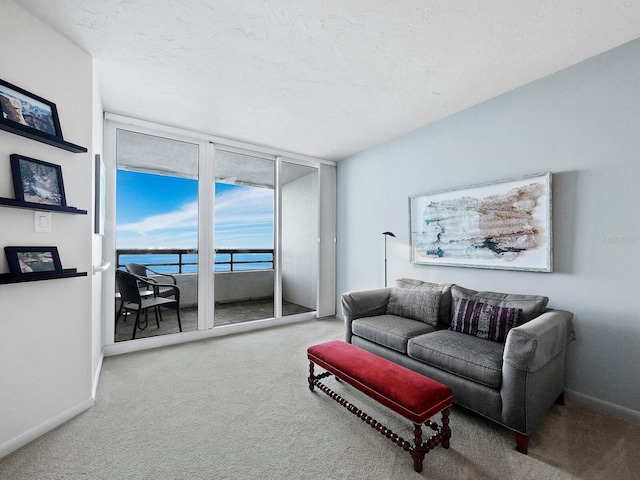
column 531, row 305
column 482, row 320
column 417, row 304
column 444, row 309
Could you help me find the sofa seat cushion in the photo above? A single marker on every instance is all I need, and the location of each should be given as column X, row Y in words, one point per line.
column 466, row 356
column 390, row 331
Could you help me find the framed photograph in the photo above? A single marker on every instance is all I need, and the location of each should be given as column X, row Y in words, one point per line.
column 100, row 207
column 33, row 261
column 36, row 181
column 30, row 114
column 500, row 225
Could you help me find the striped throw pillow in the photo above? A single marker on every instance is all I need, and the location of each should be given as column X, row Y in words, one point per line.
column 483, row 320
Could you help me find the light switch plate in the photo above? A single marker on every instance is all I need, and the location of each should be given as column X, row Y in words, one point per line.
column 42, row 221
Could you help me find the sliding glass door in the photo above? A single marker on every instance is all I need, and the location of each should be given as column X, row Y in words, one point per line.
column 266, row 237
column 247, row 236
column 243, row 237
column 156, row 231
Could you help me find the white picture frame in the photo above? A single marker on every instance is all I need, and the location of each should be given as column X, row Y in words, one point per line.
column 503, row 225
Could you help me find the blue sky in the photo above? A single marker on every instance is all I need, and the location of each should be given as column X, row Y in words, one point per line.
column 162, row 212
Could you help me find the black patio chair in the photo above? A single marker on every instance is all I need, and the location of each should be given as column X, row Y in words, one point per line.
column 131, row 299
column 146, row 273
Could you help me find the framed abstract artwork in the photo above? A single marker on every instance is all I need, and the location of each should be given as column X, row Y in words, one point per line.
column 499, row 225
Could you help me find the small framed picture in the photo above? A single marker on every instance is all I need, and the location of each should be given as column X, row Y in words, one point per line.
column 33, row 261
column 28, row 113
column 36, row 181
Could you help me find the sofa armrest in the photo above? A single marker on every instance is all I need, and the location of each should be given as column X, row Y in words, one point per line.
column 531, row 346
column 363, row 303
column 533, row 370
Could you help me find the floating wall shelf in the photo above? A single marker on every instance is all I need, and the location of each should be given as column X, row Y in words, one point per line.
column 54, row 141
column 6, row 278
column 10, row 202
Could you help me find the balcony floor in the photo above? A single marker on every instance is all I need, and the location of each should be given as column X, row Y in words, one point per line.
column 225, row 314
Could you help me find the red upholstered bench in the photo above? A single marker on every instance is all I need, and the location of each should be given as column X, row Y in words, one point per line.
column 404, row 391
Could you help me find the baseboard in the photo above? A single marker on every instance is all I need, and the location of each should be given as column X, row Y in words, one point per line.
column 602, row 405
column 30, row 435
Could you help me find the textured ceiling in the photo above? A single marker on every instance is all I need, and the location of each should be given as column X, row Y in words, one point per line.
column 326, row 78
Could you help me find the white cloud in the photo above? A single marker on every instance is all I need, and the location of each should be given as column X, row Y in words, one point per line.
column 245, row 206
column 185, row 217
column 243, row 218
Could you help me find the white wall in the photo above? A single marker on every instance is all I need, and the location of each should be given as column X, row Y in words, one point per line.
column 46, row 326
column 97, row 306
column 583, row 125
column 239, row 286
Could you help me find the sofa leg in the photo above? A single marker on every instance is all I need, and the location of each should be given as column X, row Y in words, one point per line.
column 522, row 443
column 560, row 399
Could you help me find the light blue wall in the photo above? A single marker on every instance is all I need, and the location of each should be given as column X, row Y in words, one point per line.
column 582, row 124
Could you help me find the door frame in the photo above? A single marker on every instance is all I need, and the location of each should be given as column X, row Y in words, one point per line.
column 206, row 252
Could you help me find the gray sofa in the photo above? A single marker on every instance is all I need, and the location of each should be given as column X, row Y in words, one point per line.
column 510, row 378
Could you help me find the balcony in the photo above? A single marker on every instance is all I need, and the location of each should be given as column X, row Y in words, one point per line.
column 244, row 281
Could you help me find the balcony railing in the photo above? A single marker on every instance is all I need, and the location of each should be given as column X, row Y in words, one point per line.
column 177, row 260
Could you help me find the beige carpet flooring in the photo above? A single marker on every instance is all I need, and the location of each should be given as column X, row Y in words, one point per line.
column 239, row 407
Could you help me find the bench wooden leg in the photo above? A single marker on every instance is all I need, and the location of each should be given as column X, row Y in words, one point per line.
column 446, row 431
column 418, row 449
column 522, row 443
column 311, row 376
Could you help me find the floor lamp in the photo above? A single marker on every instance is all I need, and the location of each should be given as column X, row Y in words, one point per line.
column 386, row 234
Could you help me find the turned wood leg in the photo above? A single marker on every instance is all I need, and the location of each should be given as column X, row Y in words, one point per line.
column 560, row 399
column 446, row 431
column 522, row 443
column 418, row 450
column 311, row 376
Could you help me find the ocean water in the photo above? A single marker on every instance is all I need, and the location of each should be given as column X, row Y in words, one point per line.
column 158, row 262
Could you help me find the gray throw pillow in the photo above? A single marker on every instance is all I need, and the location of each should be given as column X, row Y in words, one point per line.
column 531, row 305
column 417, row 304
column 444, row 310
